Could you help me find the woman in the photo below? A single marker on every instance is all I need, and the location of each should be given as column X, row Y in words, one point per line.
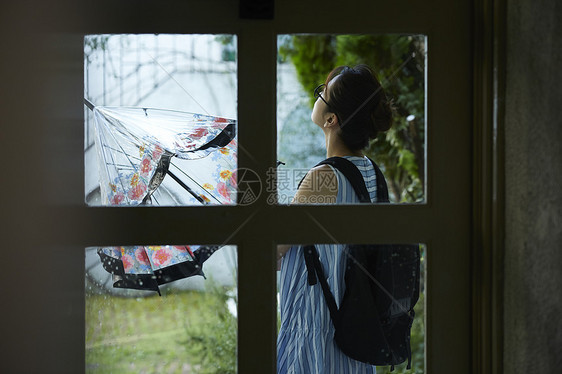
column 351, row 108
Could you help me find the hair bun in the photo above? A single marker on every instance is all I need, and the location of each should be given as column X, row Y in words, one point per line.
column 359, row 101
column 381, row 117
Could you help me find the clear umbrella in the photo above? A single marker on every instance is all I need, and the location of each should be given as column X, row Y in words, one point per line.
column 163, row 157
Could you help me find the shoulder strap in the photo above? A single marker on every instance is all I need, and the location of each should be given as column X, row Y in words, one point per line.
column 354, row 176
column 315, row 274
column 312, row 261
column 382, row 188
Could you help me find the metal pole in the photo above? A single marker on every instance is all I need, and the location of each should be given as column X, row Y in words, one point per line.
column 89, row 104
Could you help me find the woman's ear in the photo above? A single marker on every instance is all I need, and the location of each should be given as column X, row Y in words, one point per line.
column 331, row 120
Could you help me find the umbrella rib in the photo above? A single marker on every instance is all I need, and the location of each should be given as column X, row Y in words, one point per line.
column 89, row 104
column 124, row 153
column 179, row 181
column 185, row 187
column 155, row 199
column 120, row 147
column 128, row 159
column 119, row 151
column 110, row 154
column 122, row 166
column 120, row 181
column 193, row 180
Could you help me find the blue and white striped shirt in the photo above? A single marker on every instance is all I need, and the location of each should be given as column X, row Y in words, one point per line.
column 305, row 343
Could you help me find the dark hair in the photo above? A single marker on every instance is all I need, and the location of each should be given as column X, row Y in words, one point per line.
column 360, row 103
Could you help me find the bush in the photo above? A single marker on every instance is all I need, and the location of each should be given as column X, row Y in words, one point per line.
column 212, row 335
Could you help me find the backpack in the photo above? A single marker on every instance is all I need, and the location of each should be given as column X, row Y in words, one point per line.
column 376, row 312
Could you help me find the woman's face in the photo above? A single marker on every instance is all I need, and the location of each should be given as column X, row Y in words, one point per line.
column 321, row 111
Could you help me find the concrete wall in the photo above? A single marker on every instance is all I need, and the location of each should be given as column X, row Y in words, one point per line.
column 533, row 140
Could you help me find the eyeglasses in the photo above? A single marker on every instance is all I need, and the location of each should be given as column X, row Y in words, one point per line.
column 318, row 93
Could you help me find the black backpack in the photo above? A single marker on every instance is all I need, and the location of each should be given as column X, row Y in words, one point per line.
column 376, row 312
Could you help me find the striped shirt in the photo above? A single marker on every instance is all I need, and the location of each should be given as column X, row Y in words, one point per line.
column 305, row 343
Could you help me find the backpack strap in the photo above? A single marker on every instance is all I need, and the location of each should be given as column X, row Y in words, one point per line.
column 312, row 260
column 311, row 257
column 354, row 176
column 350, row 171
column 316, row 272
column 382, row 188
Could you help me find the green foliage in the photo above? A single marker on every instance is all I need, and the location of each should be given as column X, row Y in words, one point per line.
column 211, row 336
column 138, row 335
column 314, row 57
column 148, row 334
column 228, row 52
column 94, row 43
column 398, row 61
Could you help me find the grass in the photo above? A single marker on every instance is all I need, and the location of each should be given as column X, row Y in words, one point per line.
column 180, row 332
column 144, row 335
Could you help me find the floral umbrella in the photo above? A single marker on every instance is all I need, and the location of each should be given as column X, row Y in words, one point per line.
column 137, row 148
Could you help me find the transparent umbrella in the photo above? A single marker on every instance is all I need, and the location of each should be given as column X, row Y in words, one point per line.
column 155, row 156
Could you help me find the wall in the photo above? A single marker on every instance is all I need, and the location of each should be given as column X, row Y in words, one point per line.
column 533, row 140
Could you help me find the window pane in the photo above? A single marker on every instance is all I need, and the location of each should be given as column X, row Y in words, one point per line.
column 387, row 277
column 192, row 325
column 398, row 62
column 160, row 119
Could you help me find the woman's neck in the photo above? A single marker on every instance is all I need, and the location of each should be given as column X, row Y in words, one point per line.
column 335, row 147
